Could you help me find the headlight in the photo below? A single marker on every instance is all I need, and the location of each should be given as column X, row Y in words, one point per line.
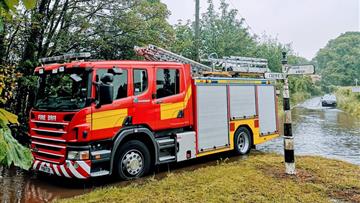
column 78, row 155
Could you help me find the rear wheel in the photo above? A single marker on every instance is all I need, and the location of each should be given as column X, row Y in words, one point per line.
column 242, row 141
column 132, row 160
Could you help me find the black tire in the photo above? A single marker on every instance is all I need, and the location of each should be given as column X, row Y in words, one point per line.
column 137, row 156
column 242, row 141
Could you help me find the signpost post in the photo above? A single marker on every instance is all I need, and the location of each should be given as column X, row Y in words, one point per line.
column 287, row 70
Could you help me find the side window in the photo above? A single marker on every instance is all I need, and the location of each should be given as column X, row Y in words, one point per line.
column 167, row 82
column 140, row 81
column 120, row 82
column 120, row 85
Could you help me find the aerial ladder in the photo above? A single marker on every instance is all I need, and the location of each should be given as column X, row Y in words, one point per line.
column 233, row 66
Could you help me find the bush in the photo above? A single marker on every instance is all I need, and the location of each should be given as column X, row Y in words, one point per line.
column 11, row 152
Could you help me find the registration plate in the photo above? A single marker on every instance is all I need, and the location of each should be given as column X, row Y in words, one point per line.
column 45, row 169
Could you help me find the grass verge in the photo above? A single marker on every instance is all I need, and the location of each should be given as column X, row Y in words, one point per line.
column 348, row 101
column 259, row 178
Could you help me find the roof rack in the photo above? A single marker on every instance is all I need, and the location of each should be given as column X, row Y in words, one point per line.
column 65, row 57
column 232, row 66
column 154, row 53
column 240, row 64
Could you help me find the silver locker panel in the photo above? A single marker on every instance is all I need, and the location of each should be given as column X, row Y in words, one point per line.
column 267, row 110
column 187, row 143
column 242, row 101
column 212, row 117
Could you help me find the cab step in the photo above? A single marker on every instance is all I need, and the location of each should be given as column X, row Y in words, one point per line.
column 99, row 173
column 167, row 159
column 166, row 143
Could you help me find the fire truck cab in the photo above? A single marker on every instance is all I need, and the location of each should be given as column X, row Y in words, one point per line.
column 97, row 118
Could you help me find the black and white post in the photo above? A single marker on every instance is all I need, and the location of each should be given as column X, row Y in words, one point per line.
column 288, row 136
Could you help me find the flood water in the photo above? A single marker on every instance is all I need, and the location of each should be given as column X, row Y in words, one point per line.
column 326, row 132
column 322, row 131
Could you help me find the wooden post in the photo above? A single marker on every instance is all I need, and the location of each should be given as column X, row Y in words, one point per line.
column 288, row 136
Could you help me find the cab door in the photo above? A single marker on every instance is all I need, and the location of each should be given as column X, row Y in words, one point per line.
column 143, row 107
column 169, row 97
column 107, row 119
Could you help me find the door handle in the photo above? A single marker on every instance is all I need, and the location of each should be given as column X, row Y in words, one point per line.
column 159, row 102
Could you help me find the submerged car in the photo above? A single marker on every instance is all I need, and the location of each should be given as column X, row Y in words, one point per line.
column 328, row 100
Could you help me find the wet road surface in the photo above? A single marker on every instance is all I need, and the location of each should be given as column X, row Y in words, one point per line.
column 322, row 131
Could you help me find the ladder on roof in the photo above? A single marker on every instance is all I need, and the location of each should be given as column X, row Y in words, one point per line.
column 238, row 64
column 154, row 53
column 229, row 66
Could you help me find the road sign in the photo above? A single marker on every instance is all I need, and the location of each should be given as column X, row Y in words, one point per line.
column 356, row 89
column 275, row 76
column 301, row 70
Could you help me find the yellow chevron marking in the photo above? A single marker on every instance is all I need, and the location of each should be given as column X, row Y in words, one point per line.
column 107, row 119
column 171, row 110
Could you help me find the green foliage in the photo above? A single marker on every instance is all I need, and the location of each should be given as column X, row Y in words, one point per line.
column 339, row 61
column 8, row 6
column 223, row 33
column 271, row 49
column 11, row 152
column 8, row 78
column 259, row 178
column 184, row 40
column 29, row 4
column 142, row 23
column 1, row 25
column 348, row 101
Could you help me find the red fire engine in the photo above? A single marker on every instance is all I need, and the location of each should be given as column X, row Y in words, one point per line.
column 97, row 118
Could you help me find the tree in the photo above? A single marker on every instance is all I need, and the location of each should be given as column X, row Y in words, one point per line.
column 339, row 60
column 184, row 43
column 7, row 7
column 223, row 33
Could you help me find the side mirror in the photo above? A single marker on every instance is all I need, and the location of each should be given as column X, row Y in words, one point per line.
column 106, row 89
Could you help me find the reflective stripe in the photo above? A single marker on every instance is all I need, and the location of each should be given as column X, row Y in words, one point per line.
column 75, row 172
column 63, row 170
column 35, row 164
column 56, row 170
column 42, row 164
column 49, row 165
column 85, row 166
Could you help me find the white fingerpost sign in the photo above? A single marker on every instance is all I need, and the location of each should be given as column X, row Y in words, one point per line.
column 300, row 70
column 356, row 89
column 275, row 76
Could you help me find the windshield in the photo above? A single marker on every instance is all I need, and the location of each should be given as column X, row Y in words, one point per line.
column 68, row 90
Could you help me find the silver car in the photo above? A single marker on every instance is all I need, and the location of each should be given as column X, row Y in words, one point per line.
column 328, row 100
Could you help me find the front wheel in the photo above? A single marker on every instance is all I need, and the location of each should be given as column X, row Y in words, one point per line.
column 132, row 160
column 242, row 141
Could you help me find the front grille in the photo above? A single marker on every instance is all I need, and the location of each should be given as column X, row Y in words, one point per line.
column 48, row 132
column 50, row 151
column 49, row 125
column 47, row 141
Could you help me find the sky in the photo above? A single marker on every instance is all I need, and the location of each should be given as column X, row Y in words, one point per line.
column 307, row 24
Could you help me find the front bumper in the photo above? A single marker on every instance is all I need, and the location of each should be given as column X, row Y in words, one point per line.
column 70, row 169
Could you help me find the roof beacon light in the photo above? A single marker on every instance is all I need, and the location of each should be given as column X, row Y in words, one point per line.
column 61, row 69
column 41, row 71
column 65, row 57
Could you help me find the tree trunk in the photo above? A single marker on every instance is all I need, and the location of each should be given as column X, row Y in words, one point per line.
column 2, row 46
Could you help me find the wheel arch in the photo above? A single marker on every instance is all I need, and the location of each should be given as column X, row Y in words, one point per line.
column 249, row 129
column 141, row 134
